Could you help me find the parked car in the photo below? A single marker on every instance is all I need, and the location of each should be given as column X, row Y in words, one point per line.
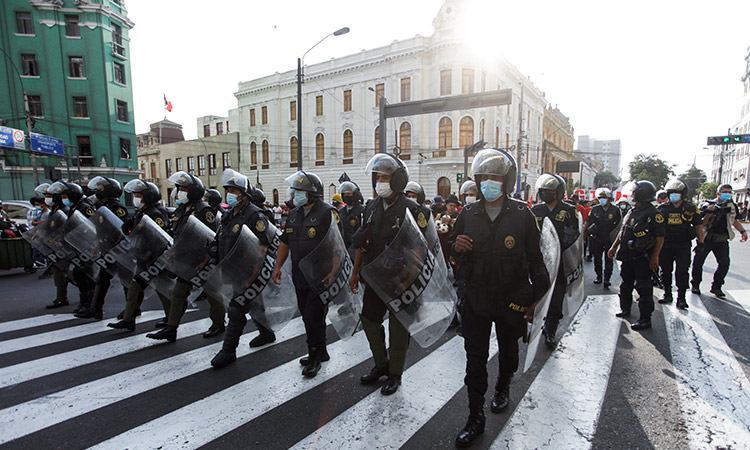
column 17, row 209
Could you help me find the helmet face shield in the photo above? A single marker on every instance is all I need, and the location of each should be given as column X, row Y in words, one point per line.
column 469, row 187
column 97, row 182
column 304, row 181
column 492, row 162
column 603, row 193
column 180, row 178
column 675, row 185
column 382, row 163
column 232, row 178
column 627, row 190
column 547, row 181
column 41, row 189
column 135, row 186
column 57, row 188
column 348, row 186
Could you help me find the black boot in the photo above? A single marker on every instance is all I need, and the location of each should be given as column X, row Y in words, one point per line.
column 213, row 331
column 502, row 393
column 161, row 323
column 227, row 355
column 57, row 303
column 474, row 427
column 550, row 330
column 607, row 283
column 262, row 339
column 85, row 302
column 681, row 302
column 324, row 356
column 168, row 333
column 374, row 375
column 223, row 358
column 667, row 297
column 89, row 313
column 391, row 386
column 313, row 362
column 123, row 325
column 598, row 279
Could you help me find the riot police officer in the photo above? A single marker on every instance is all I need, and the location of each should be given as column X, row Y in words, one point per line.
column 108, row 192
column 305, row 228
column 497, row 239
column 598, row 227
column 415, row 191
column 147, row 202
column 637, row 247
column 551, row 191
column 243, row 212
column 382, row 218
column 351, row 212
column 683, row 225
column 213, row 198
column 54, row 203
column 469, row 192
column 190, row 202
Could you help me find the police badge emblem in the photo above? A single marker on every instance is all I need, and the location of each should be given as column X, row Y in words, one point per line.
column 311, row 232
column 260, row 226
column 659, row 218
column 353, row 222
column 421, row 221
column 236, row 228
column 101, row 219
column 510, row 242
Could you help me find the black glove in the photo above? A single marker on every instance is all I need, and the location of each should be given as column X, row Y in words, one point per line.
column 699, row 248
column 212, row 248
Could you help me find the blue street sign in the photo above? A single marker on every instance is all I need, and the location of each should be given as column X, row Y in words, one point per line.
column 12, row 138
column 745, row 138
column 47, row 144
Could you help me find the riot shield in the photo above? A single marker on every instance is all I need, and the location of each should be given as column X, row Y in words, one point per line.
column 243, row 276
column 433, row 240
column 189, row 255
column 413, row 284
column 50, row 234
column 146, row 243
column 549, row 244
column 572, row 259
column 83, row 261
column 327, row 270
column 102, row 242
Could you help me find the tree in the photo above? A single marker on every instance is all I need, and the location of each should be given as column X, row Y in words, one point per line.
column 651, row 168
column 708, row 190
column 606, row 179
column 694, row 178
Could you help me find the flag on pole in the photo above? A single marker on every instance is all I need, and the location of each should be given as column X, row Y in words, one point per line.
column 167, row 104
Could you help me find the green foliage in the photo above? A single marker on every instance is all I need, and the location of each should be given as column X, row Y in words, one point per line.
column 606, row 179
column 708, row 190
column 651, row 168
column 694, row 178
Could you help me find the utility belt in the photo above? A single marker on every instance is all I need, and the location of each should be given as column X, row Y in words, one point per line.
column 497, row 273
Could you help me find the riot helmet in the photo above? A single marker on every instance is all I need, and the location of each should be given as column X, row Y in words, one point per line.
column 662, row 195
column 306, row 181
column 71, row 190
column 550, row 182
column 149, row 191
column 390, row 165
column 193, row 184
column 469, row 187
column 350, row 193
column 212, row 197
column 676, row 186
column 603, row 193
column 234, row 179
column 415, row 188
column 492, row 161
column 41, row 189
column 258, row 197
column 105, row 187
column 642, row 191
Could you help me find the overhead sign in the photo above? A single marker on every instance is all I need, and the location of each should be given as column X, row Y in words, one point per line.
column 731, row 139
column 12, row 138
column 568, row 166
column 47, row 144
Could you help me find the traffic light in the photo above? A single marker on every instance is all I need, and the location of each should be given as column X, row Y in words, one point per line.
column 459, row 178
column 732, row 139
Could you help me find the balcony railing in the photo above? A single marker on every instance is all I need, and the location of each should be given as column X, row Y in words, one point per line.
column 118, row 50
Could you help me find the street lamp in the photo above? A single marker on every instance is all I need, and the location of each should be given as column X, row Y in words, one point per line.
column 338, row 32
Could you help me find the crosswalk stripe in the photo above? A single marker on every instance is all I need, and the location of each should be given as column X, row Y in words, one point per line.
column 41, row 367
column 388, row 422
column 31, row 322
column 561, row 407
column 205, row 420
column 713, row 389
column 741, row 296
column 34, row 415
column 14, row 345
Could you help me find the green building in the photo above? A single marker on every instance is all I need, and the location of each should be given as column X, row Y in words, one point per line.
column 72, row 58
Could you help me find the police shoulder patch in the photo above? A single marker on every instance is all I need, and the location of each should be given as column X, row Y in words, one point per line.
column 236, row 228
column 159, row 221
column 336, row 216
column 659, row 218
column 611, row 216
column 353, row 222
column 311, row 232
column 421, row 221
column 289, row 230
column 90, row 211
column 101, row 219
column 260, row 226
column 210, row 217
column 510, row 242
column 121, row 212
column 561, row 216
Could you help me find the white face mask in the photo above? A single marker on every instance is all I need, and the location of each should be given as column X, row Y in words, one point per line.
column 383, row 189
column 470, row 199
column 182, row 197
column 48, row 201
column 137, row 203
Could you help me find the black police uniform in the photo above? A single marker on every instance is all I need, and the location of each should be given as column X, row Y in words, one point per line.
column 380, row 226
column 351, row 220
column 59, row 276
column 565, row 220
column 641, row 226
column 605, row 221
column 716, row 241
column 105, row 279
column 85, row 284
column 304, row 230
column 504, row 274
column 680, row 232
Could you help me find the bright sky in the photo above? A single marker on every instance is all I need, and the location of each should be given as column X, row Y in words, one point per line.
column 661, row 75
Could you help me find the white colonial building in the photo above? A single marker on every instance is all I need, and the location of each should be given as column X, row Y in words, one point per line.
column 341, row 117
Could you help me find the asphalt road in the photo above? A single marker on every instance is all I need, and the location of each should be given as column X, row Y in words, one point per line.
column 69, row 383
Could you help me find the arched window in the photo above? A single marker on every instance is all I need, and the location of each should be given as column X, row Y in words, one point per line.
column 481, row 130
column 264, row 155
column 465, row 132
column 404, row 140
column 320, row 150
column 445, row 136
column 444, row 187
column 348, row 147
column 276, row 197
column 293, row 151
column 377, row 139
column 253, row 156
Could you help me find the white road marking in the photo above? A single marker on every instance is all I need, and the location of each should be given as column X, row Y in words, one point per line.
column 34, row 415
column 561, row 407
column 41, row 367
column 203, row 421
column 31, row 322
column 714, row 391
column 388, row 422
column 741, row 296
column 51, row 337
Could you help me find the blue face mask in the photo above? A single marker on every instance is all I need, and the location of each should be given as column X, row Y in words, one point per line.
column 38, row 208
column 67, row 202
column 726, row 196
column 492, row 190
column 674, row 198
column 623, row 207
column 603, row 201
column 300, row 198
column 232, row 200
